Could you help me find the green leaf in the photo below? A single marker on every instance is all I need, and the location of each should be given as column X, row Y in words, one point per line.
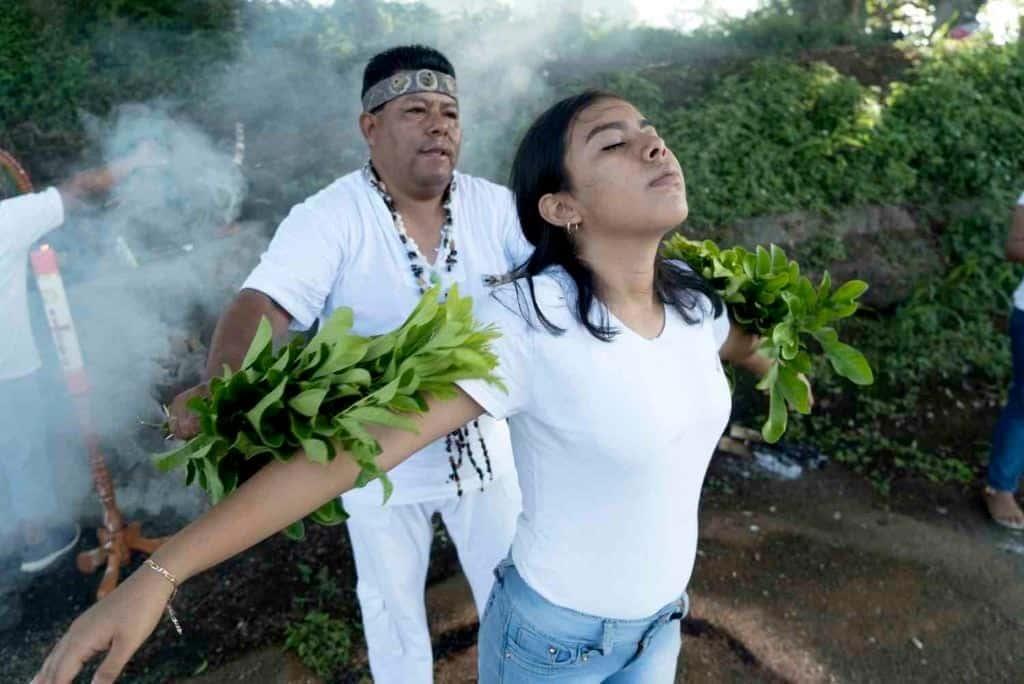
column 301, row 426
column 794, row 390
column 849, row 291
column 850, row 363
column 332, row 333
column 296, row 531
column 379, row 346
column 317, row 450
column 213, row 484
column 385, row 483
column 260, row 343
column 343, row 354
column 255, row 416
column 380, row 416
column 770, row 378
column 331, row 513
column 308, row 402
column 196, row 449
column 764, row 262
column 354, row 430
column 825, row 287
column 775, row 426
column 779, row 260
column 353, row 376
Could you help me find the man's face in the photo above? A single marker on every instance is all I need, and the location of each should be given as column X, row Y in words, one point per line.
column 414, row 141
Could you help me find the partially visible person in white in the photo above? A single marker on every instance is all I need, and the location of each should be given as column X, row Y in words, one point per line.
column 374, row 240
column 41, row 529
column 1006, row 462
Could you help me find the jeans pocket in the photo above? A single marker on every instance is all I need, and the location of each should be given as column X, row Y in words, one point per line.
column 540, row 654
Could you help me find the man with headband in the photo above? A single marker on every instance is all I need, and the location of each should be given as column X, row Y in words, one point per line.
column 375, row 240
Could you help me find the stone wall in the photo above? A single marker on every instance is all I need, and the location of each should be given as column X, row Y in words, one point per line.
column 888, row 246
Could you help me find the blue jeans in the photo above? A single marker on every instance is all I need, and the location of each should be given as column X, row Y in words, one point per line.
column 525, row 638
column 1006, row 463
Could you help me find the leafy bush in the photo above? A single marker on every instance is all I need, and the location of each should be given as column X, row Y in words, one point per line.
column 58, row 61
column 959, row 124
column 779, row 137
column 322, row 643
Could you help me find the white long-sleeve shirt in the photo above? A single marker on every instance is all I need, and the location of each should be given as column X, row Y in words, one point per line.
column 23, row 220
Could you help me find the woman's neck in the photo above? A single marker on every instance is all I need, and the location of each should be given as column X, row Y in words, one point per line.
column 623, row 272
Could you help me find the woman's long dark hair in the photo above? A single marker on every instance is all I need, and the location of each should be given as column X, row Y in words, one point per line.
column 539, row 169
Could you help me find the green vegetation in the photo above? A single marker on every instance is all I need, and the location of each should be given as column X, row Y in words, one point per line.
column 323, row 643
column 797, row 108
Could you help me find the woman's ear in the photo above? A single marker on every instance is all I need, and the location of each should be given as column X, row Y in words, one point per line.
column 558, row 209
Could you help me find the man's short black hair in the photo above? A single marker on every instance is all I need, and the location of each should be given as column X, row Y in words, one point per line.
column 403, row 58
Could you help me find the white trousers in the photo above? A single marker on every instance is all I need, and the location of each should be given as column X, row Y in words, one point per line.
column 391, row 546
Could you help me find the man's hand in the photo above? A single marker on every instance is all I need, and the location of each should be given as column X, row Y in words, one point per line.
column 231, row 339
column 184, row 424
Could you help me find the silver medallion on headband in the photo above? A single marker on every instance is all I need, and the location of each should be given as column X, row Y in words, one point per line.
column 406, row 83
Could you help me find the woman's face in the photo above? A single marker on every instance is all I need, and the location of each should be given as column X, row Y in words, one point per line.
column 623, row 178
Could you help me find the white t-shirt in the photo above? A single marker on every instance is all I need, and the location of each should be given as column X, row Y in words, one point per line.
column 340, row 247
column 611, row 443
column 23, row 220
column 1018, row 294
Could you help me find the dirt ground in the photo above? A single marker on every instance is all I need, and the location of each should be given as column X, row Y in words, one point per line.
column 812, row 580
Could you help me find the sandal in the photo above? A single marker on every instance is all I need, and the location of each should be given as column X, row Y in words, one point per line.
column 1009, row 518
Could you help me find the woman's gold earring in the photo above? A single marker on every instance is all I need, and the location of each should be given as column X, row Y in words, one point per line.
column 571, row 228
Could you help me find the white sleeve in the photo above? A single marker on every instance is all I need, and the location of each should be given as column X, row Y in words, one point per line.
column 513, row 350
column 300, row 266
column 1020, row 200
column 517, row 248
column 26, row 218
column 721, row 326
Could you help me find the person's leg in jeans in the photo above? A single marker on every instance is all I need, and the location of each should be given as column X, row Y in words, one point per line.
column 658, row 661
column 391, row 547
column 1006, row 463
column 481, row 525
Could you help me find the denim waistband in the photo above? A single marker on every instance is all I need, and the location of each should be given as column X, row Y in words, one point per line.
column 550, row 618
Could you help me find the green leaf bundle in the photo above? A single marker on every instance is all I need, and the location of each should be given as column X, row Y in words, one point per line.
column 768, row 296
column 319, row 396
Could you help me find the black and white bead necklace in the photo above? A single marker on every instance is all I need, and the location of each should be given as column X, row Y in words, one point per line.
column 458, row 444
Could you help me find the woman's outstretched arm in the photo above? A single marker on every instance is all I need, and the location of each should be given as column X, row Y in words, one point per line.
column 271, row 500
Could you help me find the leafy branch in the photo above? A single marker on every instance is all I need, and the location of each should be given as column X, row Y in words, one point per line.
column 319, row 396
column 768, row 296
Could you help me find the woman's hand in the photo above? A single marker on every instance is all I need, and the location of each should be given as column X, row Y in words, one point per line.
column 117, row 625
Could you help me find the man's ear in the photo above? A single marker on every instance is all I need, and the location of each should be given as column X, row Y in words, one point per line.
column 368, row 127
column 559, row 209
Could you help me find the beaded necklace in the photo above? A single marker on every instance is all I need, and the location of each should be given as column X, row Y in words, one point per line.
column 458, row 444
column 426, row 275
